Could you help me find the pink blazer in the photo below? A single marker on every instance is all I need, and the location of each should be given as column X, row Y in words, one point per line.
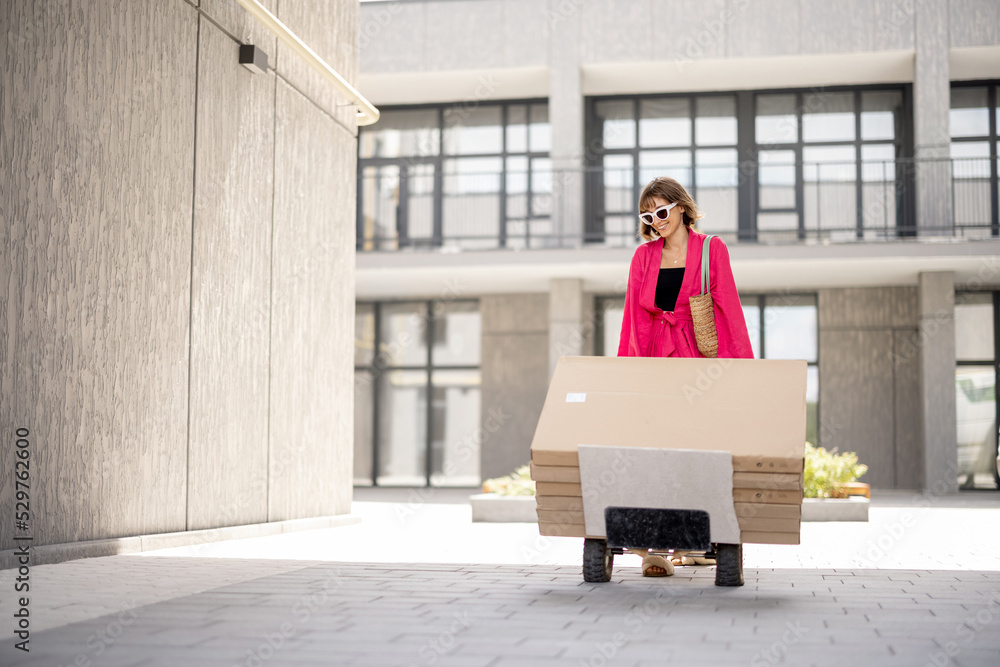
column 648, row 331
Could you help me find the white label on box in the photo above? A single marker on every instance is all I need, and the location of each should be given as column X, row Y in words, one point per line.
column 576, row 398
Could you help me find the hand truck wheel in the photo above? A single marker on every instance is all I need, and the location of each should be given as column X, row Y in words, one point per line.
column 598, row 560
column 729, row 565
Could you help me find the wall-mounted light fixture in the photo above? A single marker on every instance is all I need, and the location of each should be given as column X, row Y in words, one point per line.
column 253, row 58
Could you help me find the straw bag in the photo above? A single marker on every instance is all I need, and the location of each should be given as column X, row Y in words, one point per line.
column 703, row 310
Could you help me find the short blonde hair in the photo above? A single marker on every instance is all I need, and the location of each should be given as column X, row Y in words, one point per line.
column 672, row 192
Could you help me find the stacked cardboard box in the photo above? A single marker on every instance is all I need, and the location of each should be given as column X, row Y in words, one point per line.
column 752, row 408
column 768, row 504
column 767, row 496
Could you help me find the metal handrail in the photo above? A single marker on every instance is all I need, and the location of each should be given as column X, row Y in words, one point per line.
column 453, row 205
column 367, row 113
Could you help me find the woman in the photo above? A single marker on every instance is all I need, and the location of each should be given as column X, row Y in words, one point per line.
column 665, row 272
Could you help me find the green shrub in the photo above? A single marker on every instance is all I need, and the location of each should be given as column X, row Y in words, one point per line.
column 518, row 483
column 826, row 471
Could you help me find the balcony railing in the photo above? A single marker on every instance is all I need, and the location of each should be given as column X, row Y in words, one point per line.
column 420, row 207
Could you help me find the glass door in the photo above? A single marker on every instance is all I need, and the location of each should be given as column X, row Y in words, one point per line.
column 975, row 388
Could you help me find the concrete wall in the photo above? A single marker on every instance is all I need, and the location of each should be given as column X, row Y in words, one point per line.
column 515, row 372
column 493, row 34
column 178, row 266
column 939, row 428
column 463, row 34
column 869, row 381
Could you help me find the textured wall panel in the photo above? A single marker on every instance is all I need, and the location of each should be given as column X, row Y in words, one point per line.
column 973, row 22
column 856, row 395
column 98, row 118
column 515, row 313
column 837, row 27
column 699, row 29
column 909, row 448
column 894, row 24
column 515, row 380
column 230, row 313
column 98, row 107
column 515, row 375
column 241, row 26
column 312, row 322
column 776, row 30
column 566, row 319
column 331, row 30
column 931, row 95
column 470, row 34
column 436, row 36
column 526, row 33
column 937, row 380
column 878, row 312
column 904, row 307
column 608, row 31
column 393, row 36
column 465, row 35
column 866, row 307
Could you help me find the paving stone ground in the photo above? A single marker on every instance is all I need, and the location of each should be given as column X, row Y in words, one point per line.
column 193, row 610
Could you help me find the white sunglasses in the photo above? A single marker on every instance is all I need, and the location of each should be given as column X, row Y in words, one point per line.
column 661, row 213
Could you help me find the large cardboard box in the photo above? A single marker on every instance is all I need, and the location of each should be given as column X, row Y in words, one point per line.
column 753, row 408
column 745, row 406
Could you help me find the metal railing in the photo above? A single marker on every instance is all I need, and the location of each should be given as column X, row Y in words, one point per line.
column 440, row 206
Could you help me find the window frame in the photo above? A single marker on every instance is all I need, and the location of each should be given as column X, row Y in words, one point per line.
column 747, row 151
column 437, row 160
column 995, row 363
column 376, row 372
column 595, row 213
column 992, row 138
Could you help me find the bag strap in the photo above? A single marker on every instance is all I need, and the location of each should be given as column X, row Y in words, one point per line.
column 705, row 274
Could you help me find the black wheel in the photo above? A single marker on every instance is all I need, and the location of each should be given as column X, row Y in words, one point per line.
column 729, row 565
column 598, row 560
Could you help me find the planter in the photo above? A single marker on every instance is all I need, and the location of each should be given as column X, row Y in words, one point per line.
column 852, row 489
column 493, row 508
column 854, row 508
column 490, row 507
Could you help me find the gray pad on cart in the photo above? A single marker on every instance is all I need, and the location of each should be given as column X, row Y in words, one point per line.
column 658, row 478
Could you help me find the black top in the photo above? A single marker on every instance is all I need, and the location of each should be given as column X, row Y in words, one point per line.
column 668, row 286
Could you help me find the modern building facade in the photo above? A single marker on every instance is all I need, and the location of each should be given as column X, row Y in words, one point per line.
column 846, row 152
column 178, row 268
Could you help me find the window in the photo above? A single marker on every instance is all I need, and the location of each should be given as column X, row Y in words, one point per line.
column 975, row 388
column 784, row 326
column 771, row 166
column 417, row 393
column 690, row 138
column 781, row 326
column 468, row 176
column 973, row 123
column 827, row 164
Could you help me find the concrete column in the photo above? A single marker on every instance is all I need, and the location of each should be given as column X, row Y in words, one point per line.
column 567, row 331
column 515, row 377
column 869, row 381
column 566, row 111
column 931, row 103
column 936, row 334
